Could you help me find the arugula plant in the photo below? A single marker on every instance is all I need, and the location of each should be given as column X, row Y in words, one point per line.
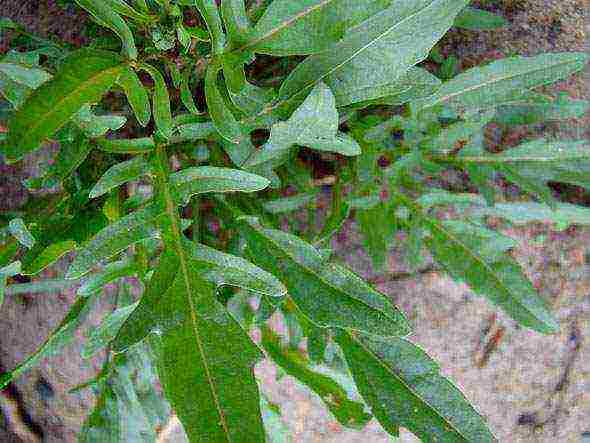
column 190, row 132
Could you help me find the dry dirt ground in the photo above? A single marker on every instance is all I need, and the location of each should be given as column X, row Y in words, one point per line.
column 531, row 388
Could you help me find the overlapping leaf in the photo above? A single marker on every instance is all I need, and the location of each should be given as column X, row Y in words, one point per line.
column 403, row 387
column 329, row 295
column 477, row 258
column 313, row 124
column 377, row 52
column 83, row 78
column 119, row 174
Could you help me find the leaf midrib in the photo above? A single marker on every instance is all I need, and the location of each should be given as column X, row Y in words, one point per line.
column 447, row 97
column 409, row 388
column 282, row 101
column 500, row 284
column 367, row 45
column 285, row 24
column 176, row 234
column 329, row 284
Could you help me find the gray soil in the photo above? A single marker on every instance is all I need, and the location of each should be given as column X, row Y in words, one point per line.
column 531, row 388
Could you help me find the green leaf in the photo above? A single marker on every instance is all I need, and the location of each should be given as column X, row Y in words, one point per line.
column 414, row 84
column 562, row 215
column 223, row 406
column 19, row 230
column 186, row 95
column 119, row 174
column 97, row 125
column 136, row 95
column 203, row 179
column 106, row 16
column 126, row 146
column 118, row 236
column 378, row 231
column 84, row 77
column 503, row 80
column 562, row 108
column 48, row 256
column 30, row 77
column 120, row 7
column 378, row 51
column 289, row 204
column 221, row 269
column 161, row 102
column 476, row 19
column 210, row 14
column 329, row 295
column 476, row 257
column 533, row 164
column 299, row 27
column 128, row 407
column 348, row 412
column 236, row 21
column 403, row 387
column 313, row 124
column 197, row 342
column 57, row 340
column 223, row 119
column 105, row 333
column 111, row 272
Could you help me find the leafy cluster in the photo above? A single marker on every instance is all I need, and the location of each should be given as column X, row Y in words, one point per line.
column 182, row 154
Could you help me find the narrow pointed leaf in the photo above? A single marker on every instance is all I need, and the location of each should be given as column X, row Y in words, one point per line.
column 56, row 341
column 468, row 256
column 161, row 102
column 133, row 228
column 299, row 27
column 83, row 78
column 136, row 95
column 210, row 13
column 109, row 18
column 203, row 179
column 329, row 295
column 379, row 50
column 126, row 146
column 502, row 80
column 476, row 19
column 533, row 164
column 111, row 272
column 48, row 256
column 222, row 269
column 313, row 124
column 236, row 21
column 97, row 125
column 119, row 174
column 105, row 333
column 223, row 119
column 403, row 387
